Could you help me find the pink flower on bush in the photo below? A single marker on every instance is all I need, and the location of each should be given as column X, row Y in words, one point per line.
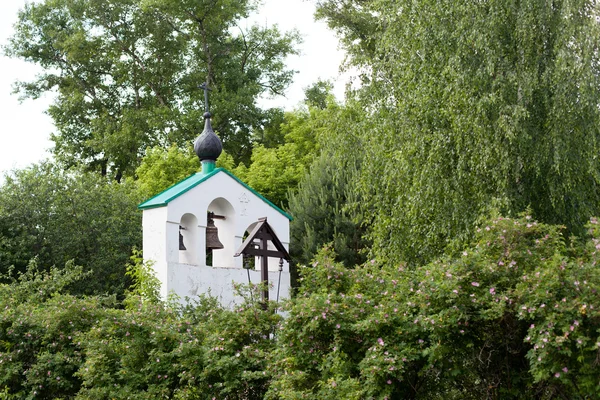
column 476, row 284
column 380, row 341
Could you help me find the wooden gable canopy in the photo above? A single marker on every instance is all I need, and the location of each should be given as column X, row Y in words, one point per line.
column 257, row 244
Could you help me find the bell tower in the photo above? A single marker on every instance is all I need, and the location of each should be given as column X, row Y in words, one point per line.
column 193, row 231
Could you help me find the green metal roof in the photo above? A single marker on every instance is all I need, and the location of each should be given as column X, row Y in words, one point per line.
column 164, row 197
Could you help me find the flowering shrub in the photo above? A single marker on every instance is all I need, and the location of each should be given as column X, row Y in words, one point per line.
column 513, row 315
column 159, row 351
column 54, row 345
column 39, row 347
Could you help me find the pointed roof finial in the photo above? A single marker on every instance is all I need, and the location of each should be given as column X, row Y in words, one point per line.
column 207, row 146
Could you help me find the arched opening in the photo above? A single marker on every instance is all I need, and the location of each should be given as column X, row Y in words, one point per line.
column 188, row 239
column 224, row 220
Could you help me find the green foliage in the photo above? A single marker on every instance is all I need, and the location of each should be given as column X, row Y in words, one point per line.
column 57, row 216
column 273, row 172
column 157, row 351
column 271, row 135
column 276, row 170
column 322, row 205
column 321, row 216
column 125, row 74
column 130, row 354
column 473, row 105
column 318, row 94
column 54, row 345
column 39, row 327
column 513, row 316
column 162, row 168
column 144, row 283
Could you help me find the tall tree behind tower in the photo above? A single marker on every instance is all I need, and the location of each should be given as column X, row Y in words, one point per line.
column 474, row 105
column 125, row 74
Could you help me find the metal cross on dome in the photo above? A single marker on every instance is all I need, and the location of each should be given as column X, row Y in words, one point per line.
column 204, row 86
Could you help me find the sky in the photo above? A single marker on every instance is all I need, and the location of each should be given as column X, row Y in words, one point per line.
column 25, row 130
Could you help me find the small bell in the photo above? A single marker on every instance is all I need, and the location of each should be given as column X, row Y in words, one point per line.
column 181, row 245
column 212, row 236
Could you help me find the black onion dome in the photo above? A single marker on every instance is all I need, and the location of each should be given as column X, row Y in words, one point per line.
column 208, row 145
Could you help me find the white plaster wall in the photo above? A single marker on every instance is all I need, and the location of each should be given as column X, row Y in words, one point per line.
column 154, row 244
column 191, row 281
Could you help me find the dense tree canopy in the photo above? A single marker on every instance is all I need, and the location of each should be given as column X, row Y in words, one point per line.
column 126, row 74
column 273, row 170
column 473, row 104
column 56, row 216
column 161, row 168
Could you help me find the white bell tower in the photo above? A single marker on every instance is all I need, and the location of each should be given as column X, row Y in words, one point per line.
column 176, row 222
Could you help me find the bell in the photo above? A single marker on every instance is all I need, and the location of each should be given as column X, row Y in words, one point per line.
column 181, row 245
column 212, row 236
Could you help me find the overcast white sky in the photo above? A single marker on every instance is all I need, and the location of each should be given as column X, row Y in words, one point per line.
column 25, row 129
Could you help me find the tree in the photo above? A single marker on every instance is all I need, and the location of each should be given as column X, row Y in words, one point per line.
column 321, row 214
column 39, row 325
column 324, row 203
column 55, row 216
column 319, row 94
column 513, row 316
column 276, row 170
column 473, row 105
column 161, row 168
column 125, row 74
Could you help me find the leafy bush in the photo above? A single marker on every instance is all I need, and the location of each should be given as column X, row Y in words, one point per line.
column 513, row 315
column 40, row 350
